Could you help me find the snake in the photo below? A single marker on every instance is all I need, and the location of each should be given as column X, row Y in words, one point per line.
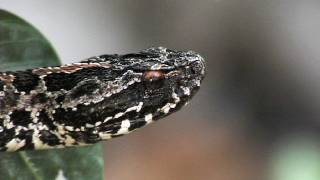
column 96, row 99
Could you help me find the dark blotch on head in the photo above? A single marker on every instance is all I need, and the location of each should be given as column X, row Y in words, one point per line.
column 58, row 81
column 21, row 117
column 25, row 81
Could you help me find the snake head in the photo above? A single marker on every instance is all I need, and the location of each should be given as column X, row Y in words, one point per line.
column 137, row 89
column 161, row 82
column 175, row 76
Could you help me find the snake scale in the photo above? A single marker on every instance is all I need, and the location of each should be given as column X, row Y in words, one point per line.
column 96, row 99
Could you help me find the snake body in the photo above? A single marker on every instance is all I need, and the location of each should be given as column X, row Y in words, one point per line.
column 97, row 99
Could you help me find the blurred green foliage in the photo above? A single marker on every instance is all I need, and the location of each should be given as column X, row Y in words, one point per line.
column 296, row 159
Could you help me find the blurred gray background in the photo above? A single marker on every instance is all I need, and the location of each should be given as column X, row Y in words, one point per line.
column 257, row 114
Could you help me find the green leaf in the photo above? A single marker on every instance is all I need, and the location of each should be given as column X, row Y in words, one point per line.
column 296, row 158
column 23, row 47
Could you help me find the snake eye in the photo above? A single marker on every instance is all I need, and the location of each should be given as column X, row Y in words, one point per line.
column 153, row 75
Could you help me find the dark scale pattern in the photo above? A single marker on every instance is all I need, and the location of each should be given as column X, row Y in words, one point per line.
column 21, row 118
column 58, row 81
column 27, row 136
column 76, row 118
column 85, row 137
column 100, row 98
column 67, row 81
column 5, row 136
column 25, row 81
column 49, row 138
column 10, row 99
column 44, row 118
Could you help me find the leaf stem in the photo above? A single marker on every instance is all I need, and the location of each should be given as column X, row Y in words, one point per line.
column 29, row 165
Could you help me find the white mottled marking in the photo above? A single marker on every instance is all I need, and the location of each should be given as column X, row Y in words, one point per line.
column 69, row 140
column 175, row 97
column 186, row 91
column 172, row 105
column 166, row 108
column 148, row 118
column 61, row 130
column 119, row 115
column 125, row 124
column 89, row 125
column 15, row 144
column 107, row 119
column 105, row 135
column 136, row 108
column 198, row 83
column 69, row 128
column 38, row 143
column 98, row 123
